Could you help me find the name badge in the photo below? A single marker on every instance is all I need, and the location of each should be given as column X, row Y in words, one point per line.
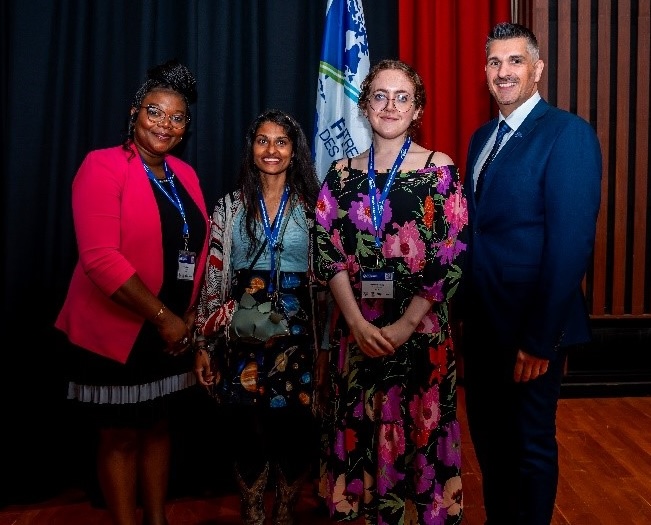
column 377, row 284
column 186, row 265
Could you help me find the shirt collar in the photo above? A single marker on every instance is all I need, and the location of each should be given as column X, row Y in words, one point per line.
column 517, row 117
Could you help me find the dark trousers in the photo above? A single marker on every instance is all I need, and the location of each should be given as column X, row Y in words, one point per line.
column 284, row 437
column 513, row 430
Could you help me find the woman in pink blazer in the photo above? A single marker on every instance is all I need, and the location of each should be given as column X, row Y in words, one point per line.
column 141, row 227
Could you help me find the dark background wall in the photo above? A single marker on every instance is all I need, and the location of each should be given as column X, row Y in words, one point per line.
column 69, row 71
column 597, row 55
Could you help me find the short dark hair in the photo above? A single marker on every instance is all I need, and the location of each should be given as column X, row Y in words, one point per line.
column 508, row 30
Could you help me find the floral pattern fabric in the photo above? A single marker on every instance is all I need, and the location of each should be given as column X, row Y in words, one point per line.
column 390, row 442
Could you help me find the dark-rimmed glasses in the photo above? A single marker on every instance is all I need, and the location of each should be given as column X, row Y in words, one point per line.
column 157, row 116
column 402, row 102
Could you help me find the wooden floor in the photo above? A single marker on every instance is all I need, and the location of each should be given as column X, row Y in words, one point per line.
column 605, row 463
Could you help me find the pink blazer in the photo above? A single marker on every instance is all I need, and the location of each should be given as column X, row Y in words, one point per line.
column 118, row 232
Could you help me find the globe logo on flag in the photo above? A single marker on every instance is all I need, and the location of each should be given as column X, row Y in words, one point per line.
column 340, row 129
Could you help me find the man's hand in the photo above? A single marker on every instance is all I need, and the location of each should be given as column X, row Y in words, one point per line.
column 528, row 367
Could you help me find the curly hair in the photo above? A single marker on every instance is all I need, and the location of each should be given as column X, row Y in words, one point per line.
column 419, row 88
column 172, row 75
column 301, row 174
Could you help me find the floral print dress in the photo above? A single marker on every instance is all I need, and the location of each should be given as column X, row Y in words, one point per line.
column 390, row 443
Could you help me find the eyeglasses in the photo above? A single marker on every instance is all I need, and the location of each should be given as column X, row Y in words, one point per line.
column 157, row 116
column 402, row 102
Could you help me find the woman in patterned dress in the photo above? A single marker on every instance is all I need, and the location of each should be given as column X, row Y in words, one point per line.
column 261, row 243
column 391, row 258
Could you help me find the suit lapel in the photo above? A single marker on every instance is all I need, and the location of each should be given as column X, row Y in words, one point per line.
column 479, row 141
column 483, row 134
column 527, row 126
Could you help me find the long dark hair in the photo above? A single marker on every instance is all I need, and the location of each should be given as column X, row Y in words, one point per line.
column 301, row 175
column 171, row 75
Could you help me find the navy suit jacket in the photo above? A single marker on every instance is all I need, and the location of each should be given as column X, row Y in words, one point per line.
column 532, row 233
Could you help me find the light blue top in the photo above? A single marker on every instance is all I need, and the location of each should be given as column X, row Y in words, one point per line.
column 295, row 242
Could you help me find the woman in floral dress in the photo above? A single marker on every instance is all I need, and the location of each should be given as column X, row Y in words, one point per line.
column 391, row 258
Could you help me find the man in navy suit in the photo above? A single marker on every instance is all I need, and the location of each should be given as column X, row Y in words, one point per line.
column 533, row 202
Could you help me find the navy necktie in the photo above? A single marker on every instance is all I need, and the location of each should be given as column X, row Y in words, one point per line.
column 502, row 130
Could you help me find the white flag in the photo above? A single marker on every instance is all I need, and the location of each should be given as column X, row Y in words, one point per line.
column 340, row 129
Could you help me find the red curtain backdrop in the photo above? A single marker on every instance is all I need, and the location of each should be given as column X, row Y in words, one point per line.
column 444, row 40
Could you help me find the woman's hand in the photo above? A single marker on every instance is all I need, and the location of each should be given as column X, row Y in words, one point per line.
column 370, row 339
column 135, row 296
column 203, row 369
column 175, row 332
column 368, row 336
column 397, row 333
column 190, row 317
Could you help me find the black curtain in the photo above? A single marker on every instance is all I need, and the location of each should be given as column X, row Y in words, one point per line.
column 69, row 71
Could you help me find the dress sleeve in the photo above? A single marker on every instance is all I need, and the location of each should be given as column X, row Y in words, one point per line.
column 449, row 218
column 97, row 192
column 330, row 258
column 211, row 309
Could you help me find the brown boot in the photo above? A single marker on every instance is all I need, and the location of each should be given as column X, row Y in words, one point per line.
column 252, row 497
column 286, row 498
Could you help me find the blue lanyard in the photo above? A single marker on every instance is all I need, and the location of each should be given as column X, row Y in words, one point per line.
column 174, row 198
column 377, row 206
column 272, row 231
